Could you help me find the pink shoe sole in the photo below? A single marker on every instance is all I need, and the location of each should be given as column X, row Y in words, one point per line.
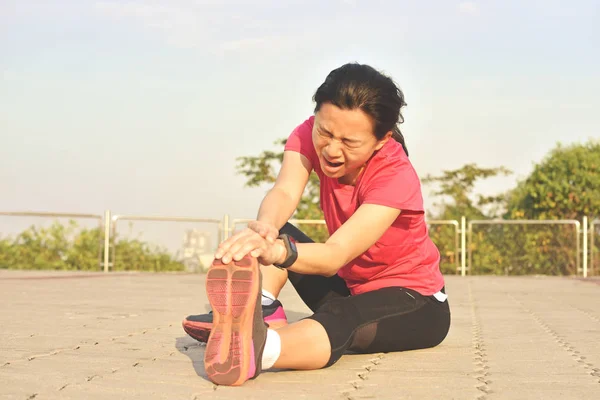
column 232, row 291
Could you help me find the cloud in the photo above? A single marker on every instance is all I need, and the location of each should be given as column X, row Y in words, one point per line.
column 469, row 8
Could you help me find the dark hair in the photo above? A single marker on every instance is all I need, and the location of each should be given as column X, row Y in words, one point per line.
column 361, row 86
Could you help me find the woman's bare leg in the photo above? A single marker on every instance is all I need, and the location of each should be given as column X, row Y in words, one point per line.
column 273, row 279
column 304, row 346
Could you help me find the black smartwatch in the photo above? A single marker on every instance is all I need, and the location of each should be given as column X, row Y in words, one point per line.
column 291, row 251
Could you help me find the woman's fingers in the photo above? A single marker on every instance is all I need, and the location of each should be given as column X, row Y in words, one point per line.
column 231, row 244
column 256, row 252
column 244, row 244
column 266, row 230
column 255, row 240
column 255, row 243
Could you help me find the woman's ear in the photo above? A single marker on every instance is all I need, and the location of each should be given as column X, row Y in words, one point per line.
column 384, row 140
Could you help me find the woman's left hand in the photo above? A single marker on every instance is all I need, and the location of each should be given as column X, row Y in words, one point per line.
column 250, row 242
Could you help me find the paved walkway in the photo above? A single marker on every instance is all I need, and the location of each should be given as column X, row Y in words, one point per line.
column 119, row 336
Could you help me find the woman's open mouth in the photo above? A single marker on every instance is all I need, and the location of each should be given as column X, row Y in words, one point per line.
column 331, row 167
column 334, row 165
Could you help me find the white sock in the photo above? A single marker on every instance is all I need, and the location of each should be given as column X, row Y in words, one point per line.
column 267, row 298
column 272, row 349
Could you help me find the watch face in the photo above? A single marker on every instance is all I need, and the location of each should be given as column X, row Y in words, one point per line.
column 293, row 245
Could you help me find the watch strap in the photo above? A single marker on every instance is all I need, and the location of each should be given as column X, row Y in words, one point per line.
column 291, row 251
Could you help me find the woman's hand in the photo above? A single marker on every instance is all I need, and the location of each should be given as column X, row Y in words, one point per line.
column 264, row 229
column 251, row 242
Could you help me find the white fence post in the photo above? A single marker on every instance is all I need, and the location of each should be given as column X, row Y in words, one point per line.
column 592, row 233
column 585, row 246
column 106, row 239
column 463, row 246
column 226, row 228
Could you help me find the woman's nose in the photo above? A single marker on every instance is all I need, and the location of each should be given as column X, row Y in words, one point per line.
column 333, row 149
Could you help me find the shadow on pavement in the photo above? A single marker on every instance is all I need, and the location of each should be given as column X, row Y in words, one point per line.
column 195, row 351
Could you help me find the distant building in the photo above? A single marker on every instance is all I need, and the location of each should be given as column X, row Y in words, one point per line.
column 197, row 250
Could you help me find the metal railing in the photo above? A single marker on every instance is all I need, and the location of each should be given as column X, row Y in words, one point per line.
column 110, row 239
column 108, row 225
column 574, row 222
column 101, row 221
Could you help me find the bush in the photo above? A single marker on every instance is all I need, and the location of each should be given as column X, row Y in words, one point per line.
column 61, row 247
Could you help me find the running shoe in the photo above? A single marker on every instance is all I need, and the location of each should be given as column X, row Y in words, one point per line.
column 234, row 349
column 199, row 326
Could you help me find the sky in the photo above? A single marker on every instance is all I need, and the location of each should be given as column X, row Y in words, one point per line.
column 142, row 107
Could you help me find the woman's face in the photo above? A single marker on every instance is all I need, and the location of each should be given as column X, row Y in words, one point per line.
column 344, row 141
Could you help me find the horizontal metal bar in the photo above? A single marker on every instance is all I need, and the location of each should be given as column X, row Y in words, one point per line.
column 322, row 222
column 241, row 220
column 443, row 222
column 48, row 214
column 163, row 219
column 525, row 222
column 308, row 221
column 291, row 221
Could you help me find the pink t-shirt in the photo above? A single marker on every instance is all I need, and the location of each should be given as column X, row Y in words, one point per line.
column 405, row 255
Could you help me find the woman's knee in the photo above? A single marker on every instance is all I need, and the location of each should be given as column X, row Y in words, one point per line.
column 340, row 324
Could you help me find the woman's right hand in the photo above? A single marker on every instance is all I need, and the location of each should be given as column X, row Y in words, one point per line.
column 257, row 240
column 264, row 229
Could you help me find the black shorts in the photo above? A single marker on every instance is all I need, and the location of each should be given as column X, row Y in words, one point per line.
column 380, row 321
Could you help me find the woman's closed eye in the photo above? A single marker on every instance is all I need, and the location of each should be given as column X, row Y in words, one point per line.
column 351, row 143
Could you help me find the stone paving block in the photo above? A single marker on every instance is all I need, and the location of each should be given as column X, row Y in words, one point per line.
column 416, row 394
column 139, row 381
column 545, row 390
column 120, row 336
column 390, row 389
column 132, row 391
column 265, row 388
column 22, row 381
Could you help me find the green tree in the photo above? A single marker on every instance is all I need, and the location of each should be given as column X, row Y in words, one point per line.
column 263, row 169
column 564, row 185
column 559, row 187
column 456, row 188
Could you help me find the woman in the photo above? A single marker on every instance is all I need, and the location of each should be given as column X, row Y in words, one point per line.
column 374, row 285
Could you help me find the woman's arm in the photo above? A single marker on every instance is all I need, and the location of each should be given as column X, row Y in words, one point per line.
column 353, row 238
column 275, row 210
column 281, row 201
